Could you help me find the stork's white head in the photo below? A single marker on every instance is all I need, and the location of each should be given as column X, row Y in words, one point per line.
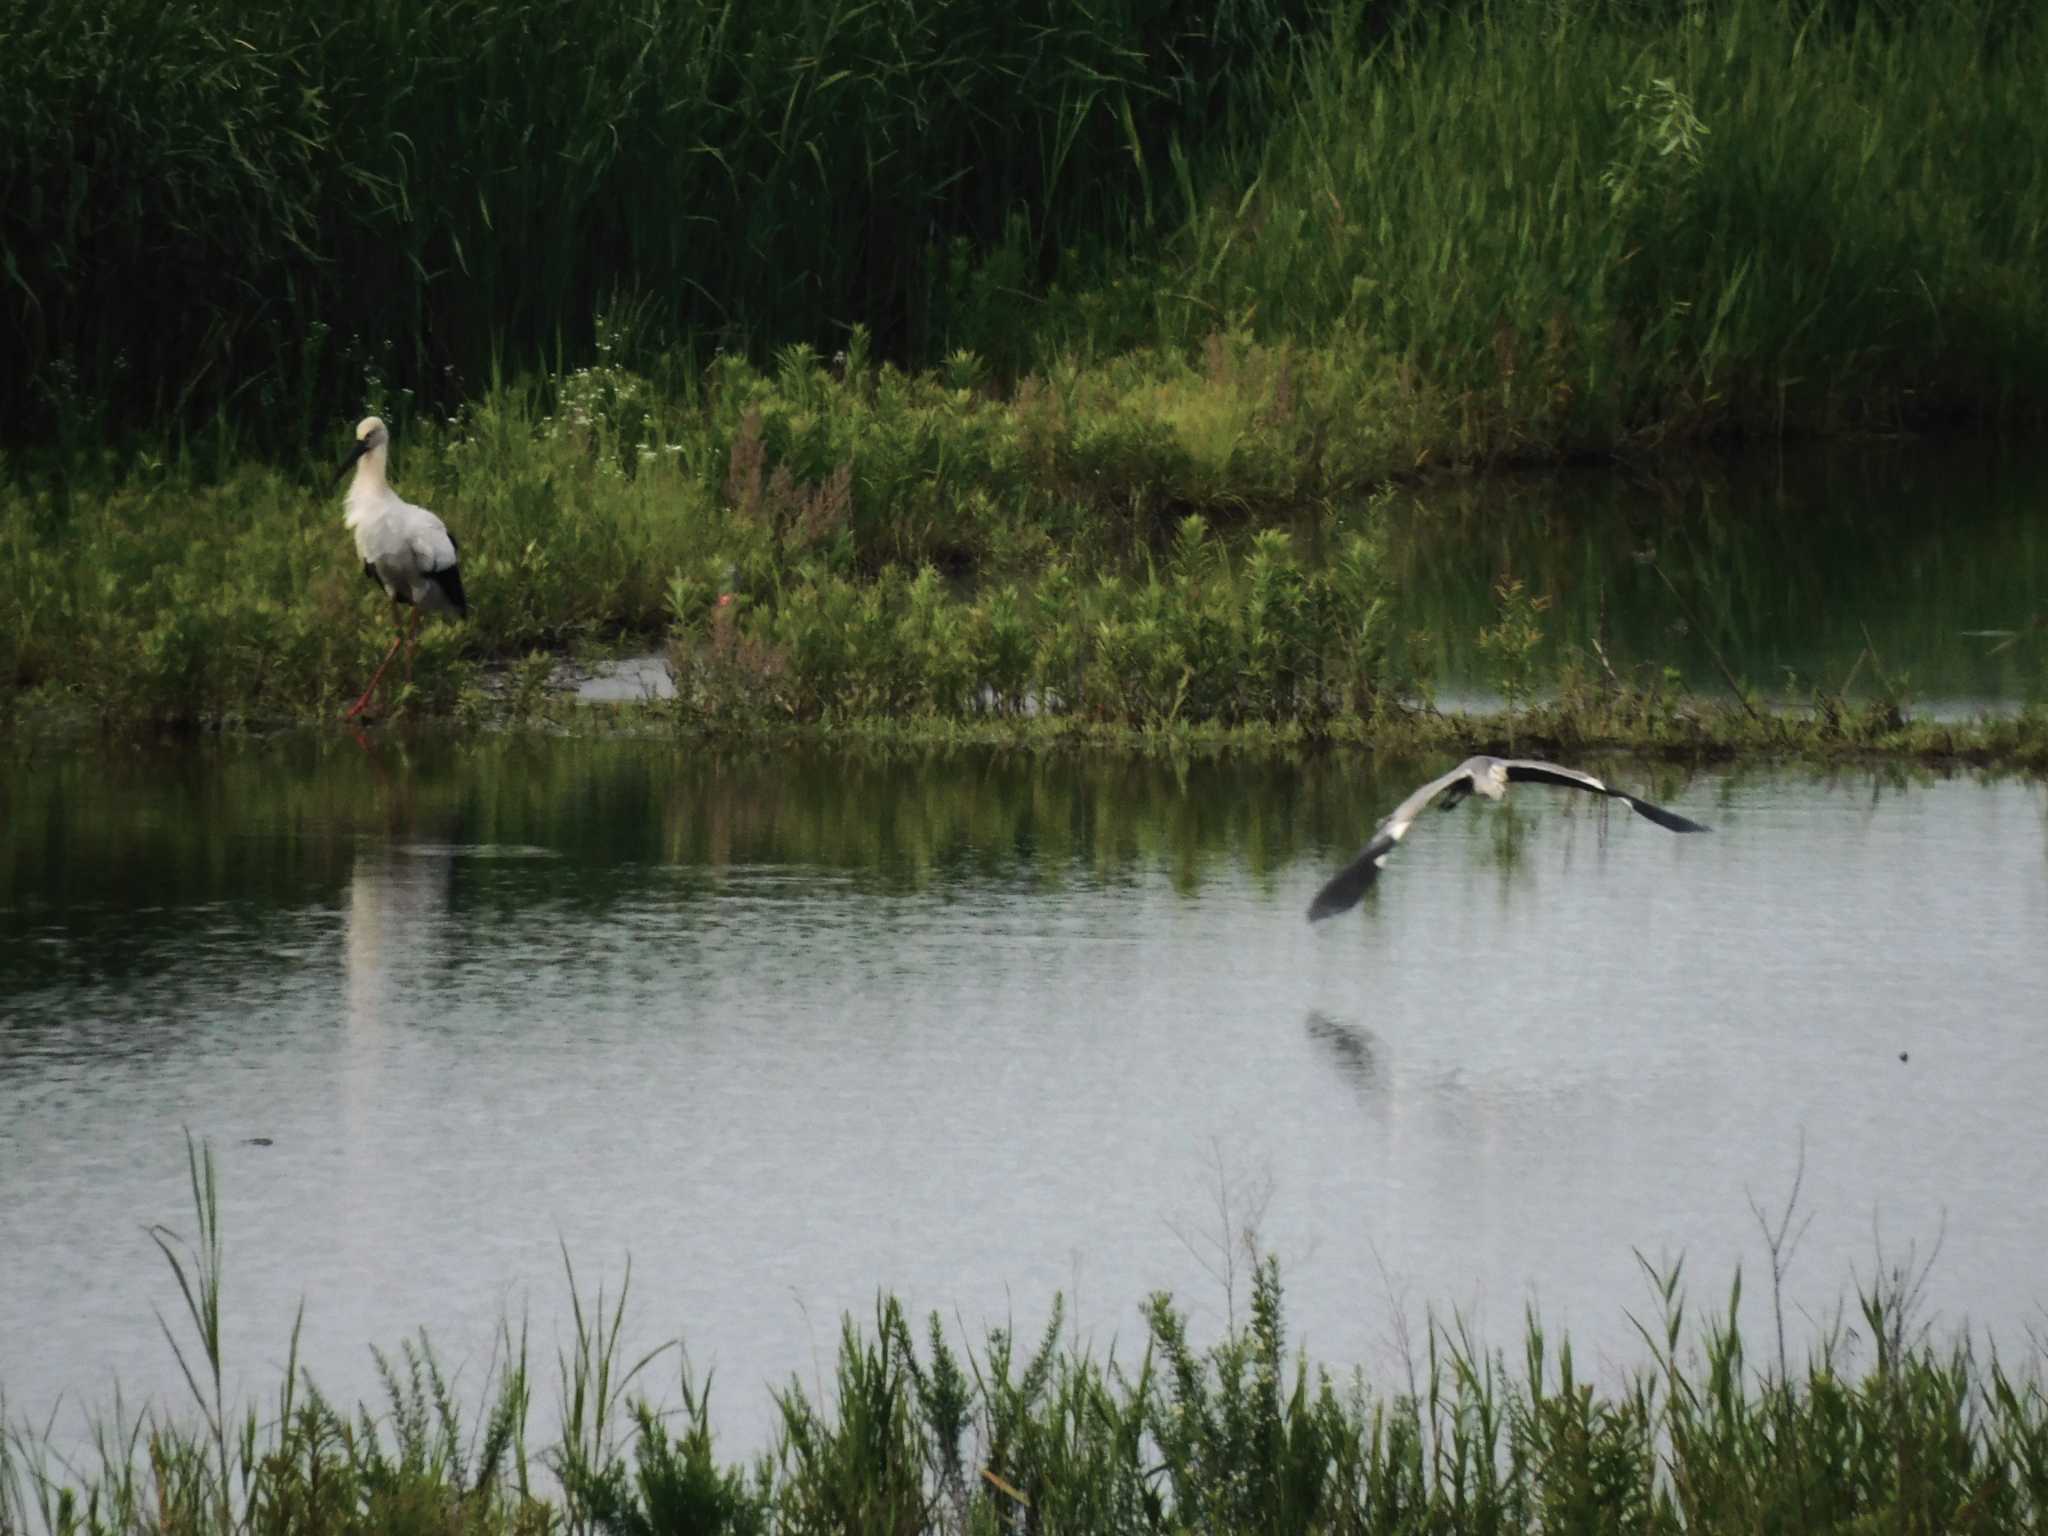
column 373, row 441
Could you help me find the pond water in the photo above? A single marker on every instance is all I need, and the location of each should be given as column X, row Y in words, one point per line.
column 786, row 1028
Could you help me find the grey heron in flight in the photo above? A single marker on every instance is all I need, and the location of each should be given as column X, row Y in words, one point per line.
column 1489, row 776
column 404, row 549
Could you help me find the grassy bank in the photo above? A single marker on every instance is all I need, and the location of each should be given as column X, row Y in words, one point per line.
column 1881, row 1427
column 826, row 548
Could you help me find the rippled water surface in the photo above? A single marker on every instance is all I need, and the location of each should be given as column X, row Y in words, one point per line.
column 788, row 1028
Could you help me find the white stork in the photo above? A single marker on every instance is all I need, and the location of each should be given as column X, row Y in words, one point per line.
column 1489, row 776
column 405, row 549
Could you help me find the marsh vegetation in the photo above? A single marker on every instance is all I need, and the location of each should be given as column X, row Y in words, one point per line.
column 1067, row 362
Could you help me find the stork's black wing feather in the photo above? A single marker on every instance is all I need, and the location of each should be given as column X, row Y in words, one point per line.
column 1659, row 815
column 1343, row 890
column 1528, row 770
column 1523, row 770
column 449, row 580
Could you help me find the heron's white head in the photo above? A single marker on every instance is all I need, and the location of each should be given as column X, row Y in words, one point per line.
column 373, row 441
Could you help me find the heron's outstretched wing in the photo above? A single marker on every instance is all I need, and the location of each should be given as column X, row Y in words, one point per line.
column 1351, row 882
column 1529, row 770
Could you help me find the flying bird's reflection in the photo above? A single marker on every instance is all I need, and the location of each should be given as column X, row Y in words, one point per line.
column 1357, row 1052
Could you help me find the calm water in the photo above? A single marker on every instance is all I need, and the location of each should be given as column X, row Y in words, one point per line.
column 787, row 1028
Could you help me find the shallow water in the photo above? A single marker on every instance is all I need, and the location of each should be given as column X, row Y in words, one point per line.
column 786, row 1028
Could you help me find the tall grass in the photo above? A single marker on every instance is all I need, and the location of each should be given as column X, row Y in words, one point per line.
column 300, row 1464
column 1881, row 1428
column 1547, row 228
column 1583, row 224
column 265, row 209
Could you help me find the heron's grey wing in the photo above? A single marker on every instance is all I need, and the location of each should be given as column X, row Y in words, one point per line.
column 1529, row 770
column 1343, row 889
column 1402, row 816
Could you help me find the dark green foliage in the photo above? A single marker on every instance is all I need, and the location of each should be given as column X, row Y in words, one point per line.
column 1242, row 1451
column 268, row 208
column 1201, row 637
column 1551, row 228
column 1364, row 244
column 1588, row 224
column 821, row 506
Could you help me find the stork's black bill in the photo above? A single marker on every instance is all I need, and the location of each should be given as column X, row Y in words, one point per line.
column 362, row 447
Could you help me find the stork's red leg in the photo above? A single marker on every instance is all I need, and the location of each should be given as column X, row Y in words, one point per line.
column 364, row 702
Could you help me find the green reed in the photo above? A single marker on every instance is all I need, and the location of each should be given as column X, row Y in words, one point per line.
column 1540, row 229
column 1568, row 227
column 264, row 209
column 1882, row 1427
column 300, row 1464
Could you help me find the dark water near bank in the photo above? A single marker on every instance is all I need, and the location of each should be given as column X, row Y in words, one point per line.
column 1862, row 566
column 786, row 1028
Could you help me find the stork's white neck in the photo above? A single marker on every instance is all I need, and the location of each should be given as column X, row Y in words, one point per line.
column 369, row 489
